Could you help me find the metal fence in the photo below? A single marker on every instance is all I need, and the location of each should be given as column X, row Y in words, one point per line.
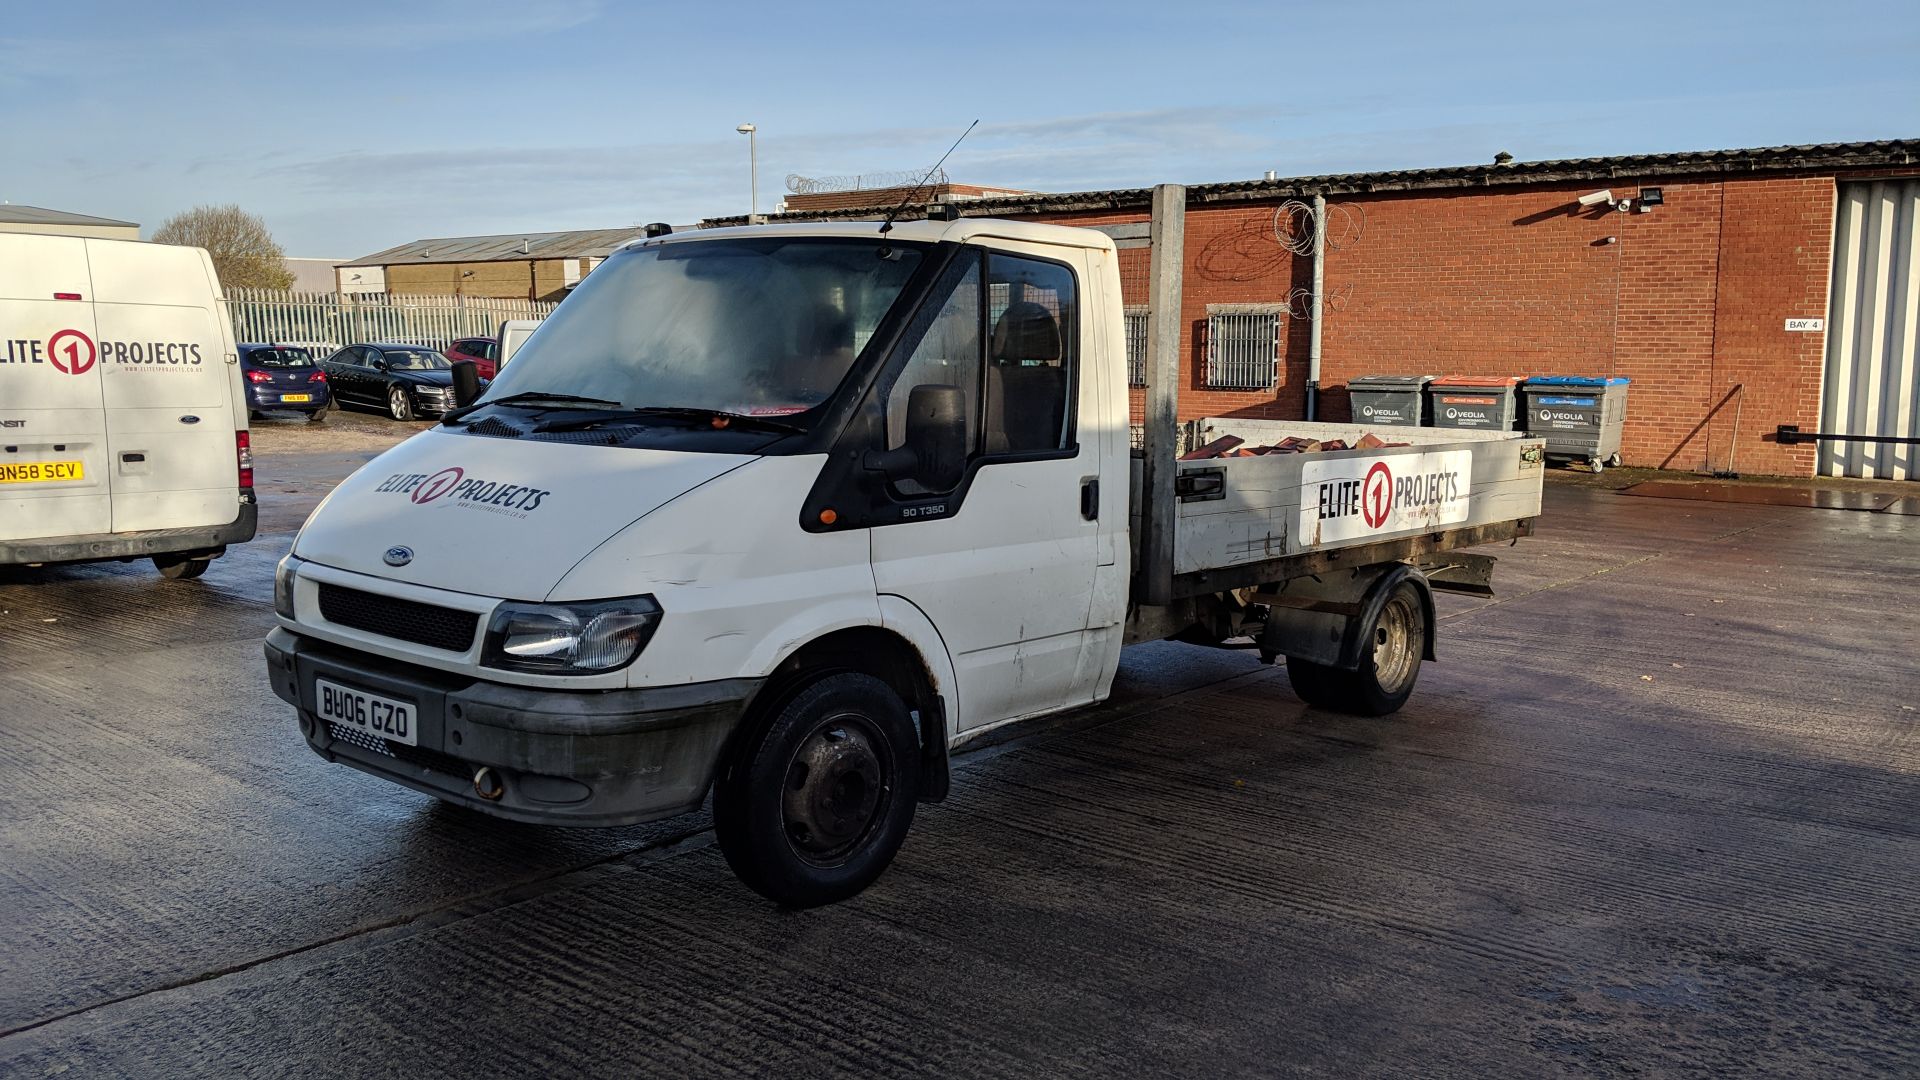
column 327, row 320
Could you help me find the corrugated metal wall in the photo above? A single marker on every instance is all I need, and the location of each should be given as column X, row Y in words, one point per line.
column 1873, row 332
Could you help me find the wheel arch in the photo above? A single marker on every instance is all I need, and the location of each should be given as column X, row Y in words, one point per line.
column 878, row 651
column 1376, row 599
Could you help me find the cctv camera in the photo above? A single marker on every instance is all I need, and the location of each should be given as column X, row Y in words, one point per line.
column 1595, row 198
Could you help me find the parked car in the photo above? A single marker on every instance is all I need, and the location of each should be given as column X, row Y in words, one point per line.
column 406, row 381
column 283, row 377
column 483, row 351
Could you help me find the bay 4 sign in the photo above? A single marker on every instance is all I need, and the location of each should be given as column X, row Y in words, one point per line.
column 1360, row 497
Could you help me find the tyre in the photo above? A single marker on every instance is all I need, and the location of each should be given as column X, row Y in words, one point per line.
column 179, row 567
column 256, row 415
column 1596, row 465
column 316, row 416
column 818, row 797
column 399, row 405
column 1387, row 671
column 1613, row 460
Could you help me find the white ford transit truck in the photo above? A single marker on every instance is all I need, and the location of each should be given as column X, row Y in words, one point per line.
column 785, row 513
column 123, row 419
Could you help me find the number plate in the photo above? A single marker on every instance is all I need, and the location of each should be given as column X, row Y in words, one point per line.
column 296, row 397
column 41, row 472
column 380, row 717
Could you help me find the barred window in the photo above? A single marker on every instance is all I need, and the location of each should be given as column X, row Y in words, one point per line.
column 1136, row 345
column 1243, row 346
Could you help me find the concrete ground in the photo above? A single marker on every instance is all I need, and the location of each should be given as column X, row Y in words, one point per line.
column 1653, row 812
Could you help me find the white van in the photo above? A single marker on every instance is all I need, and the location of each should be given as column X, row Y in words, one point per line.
column 122, row 417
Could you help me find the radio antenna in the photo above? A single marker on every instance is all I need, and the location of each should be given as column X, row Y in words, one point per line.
column 887, row 225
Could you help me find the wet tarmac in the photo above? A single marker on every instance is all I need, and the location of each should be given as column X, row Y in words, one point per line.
column 1653, row 812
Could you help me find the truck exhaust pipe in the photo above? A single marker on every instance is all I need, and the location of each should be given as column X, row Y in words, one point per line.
column 487, row 784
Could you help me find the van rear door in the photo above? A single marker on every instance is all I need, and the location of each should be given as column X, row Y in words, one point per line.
column 168, row 385
column 54, row 472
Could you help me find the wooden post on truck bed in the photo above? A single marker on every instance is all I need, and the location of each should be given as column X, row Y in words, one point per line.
column 1161, row 435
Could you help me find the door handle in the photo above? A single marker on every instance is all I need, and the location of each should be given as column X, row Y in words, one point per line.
column 1090, row 498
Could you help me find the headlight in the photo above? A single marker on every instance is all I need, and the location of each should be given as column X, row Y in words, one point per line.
column 283, row 577
column 569, row 639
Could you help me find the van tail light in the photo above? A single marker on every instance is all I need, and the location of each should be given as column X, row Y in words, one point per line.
column 318, row 376
column 258, row 377
column 243, row 451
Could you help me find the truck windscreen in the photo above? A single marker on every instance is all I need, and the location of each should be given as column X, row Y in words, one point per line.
column 765, row 326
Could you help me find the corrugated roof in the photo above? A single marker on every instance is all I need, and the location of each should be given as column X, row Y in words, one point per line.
column 505, row 247
column 1770, row 159
column 40, row 215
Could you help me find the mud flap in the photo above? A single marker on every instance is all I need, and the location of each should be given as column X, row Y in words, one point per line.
column 934, row 777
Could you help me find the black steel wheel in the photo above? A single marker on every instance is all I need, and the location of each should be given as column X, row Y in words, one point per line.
column 399, row 404
column 1387, row 671
column 819, row 796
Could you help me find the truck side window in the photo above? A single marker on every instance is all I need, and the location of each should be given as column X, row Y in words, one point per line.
column 949, row 355
column 1033, row 310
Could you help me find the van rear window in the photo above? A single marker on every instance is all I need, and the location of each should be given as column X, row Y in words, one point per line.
column 281, row 358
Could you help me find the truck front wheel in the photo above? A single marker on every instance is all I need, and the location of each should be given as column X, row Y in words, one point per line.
column 1387, row 671
column 815, row 802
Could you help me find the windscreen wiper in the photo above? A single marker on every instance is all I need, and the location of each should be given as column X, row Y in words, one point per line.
column 531, row 397
column 718, row 418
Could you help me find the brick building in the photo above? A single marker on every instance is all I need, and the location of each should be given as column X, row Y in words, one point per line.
column 1499, row 270
column 524, row 266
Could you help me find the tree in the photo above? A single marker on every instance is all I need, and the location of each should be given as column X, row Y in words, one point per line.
column 244, row 252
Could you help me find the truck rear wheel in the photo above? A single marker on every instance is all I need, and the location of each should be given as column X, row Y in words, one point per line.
column 1387, row 671
column 815, row 802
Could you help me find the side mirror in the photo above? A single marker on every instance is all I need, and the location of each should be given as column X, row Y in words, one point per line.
column 379, row 365
column 466, row 383
column 934, row 454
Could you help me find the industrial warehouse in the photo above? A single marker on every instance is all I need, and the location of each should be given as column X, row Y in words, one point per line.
column 1736, row 290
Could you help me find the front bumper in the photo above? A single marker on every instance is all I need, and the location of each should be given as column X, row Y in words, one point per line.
column 133, row 545
column 612, row 757
column 432, row 401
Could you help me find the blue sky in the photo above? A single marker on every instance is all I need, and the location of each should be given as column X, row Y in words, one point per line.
column 353, row 127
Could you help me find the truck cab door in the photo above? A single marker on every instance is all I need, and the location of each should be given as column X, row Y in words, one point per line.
column 1003, row 562
column 54, row 475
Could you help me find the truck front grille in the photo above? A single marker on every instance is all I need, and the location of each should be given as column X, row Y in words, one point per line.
column 407, row 620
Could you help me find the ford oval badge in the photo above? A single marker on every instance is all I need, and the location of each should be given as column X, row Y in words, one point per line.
column 399, row 556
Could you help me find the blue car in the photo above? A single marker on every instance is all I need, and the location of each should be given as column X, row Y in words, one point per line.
column 284, row 377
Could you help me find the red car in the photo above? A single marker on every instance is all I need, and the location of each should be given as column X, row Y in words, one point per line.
column 483, row 351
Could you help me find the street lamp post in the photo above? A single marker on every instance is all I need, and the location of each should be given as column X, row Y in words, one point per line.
column 753, row 170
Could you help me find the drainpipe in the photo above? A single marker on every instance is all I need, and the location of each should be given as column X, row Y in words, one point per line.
column 1319, row 282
